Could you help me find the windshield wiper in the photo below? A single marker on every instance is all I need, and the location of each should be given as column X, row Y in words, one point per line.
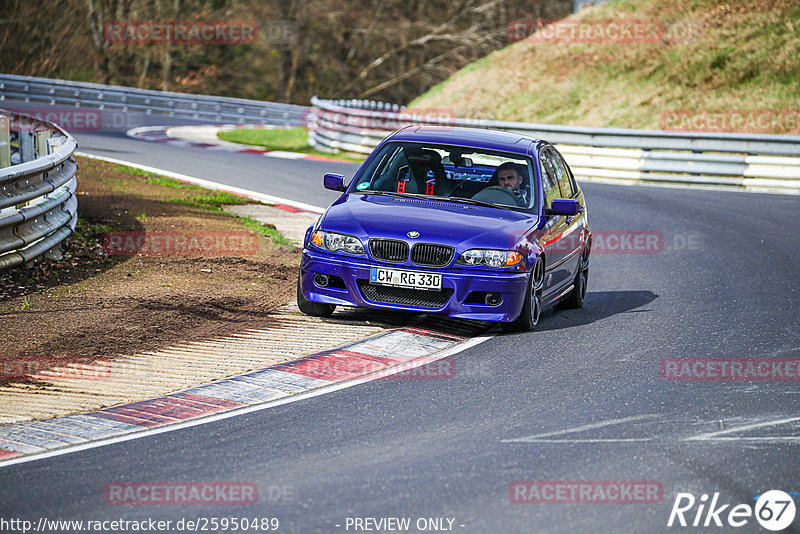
column 385, row 193
column 475, row 202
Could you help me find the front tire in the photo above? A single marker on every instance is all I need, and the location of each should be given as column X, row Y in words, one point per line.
column 314, row 309
column 532, row 308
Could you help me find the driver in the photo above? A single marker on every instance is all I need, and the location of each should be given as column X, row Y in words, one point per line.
column 510, row 177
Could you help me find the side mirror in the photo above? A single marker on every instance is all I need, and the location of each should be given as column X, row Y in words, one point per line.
column 563, row 206
column 333, row 181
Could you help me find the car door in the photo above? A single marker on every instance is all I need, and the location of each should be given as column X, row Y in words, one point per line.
column 571, row 238
column 556, row 250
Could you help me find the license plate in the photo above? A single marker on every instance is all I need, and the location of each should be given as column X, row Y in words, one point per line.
column 413, row 279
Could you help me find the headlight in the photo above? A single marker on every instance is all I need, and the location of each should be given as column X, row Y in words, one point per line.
column 491, row 258
column 334, row 242
column 472, row 257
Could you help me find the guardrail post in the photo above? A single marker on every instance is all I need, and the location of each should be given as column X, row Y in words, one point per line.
column 27, row 151
column 5, row 141
column 42, row 144
column 56, row 253
column 43, row 149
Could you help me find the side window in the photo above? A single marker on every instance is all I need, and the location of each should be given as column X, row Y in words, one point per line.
column 526, row 189
column 564, row 179
column 549, row 178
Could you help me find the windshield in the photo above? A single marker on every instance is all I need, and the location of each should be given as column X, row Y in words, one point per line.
column 459, row 174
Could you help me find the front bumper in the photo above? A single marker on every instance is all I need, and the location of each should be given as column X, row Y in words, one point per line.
column 511, row 285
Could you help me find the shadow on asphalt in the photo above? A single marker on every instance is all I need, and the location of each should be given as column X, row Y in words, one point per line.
column 598, row 305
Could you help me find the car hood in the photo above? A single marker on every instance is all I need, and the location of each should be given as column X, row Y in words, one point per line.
column 459, row 225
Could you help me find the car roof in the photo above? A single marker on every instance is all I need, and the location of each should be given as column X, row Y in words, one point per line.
column 469, row 137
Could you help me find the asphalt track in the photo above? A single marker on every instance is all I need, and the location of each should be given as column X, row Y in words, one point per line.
column 579, row 399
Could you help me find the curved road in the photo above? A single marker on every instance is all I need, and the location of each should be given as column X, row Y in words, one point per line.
column 579, row 399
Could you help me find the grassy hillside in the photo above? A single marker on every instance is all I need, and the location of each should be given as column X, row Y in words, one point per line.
column 714, row 55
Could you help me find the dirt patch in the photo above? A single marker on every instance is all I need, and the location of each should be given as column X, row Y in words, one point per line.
column 94, row 304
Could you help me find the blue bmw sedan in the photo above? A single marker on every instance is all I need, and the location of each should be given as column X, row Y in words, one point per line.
column 475, row 224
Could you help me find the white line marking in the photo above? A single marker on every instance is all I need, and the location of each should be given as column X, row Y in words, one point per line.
column 247, row 409
column 719, row 435
column 756, row 439
column 269, row 199
column 134, row 132
column 567, row 440
column 284, row 154
column 591, row 426
column 713, row 435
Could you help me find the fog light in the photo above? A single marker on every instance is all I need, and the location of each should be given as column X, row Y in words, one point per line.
column 493, row 299
column 321, row 280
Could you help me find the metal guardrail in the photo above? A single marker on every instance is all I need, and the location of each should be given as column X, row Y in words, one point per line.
column 618, row 155
column 180, row 105
column 38, row 206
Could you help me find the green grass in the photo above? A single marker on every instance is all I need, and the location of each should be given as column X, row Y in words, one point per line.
column 170, row 182
column 288, row 139
column 212, row 200
column 207, row 200
column 266, row 230
column 135, row 171
column 157, row 179
column 713, row 56
column 87, row 233
column 291, row 139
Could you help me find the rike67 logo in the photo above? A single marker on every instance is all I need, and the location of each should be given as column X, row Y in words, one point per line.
column 774, row 510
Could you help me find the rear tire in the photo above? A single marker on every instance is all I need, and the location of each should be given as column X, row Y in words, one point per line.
column 314, row 309
column 532, row 308
column 578, row 293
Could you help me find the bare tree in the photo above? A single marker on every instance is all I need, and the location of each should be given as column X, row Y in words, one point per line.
column 386, row 49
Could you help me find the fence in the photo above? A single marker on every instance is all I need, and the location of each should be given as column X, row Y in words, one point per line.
column 744, row 161
column 179, row 105
column 38, row 207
